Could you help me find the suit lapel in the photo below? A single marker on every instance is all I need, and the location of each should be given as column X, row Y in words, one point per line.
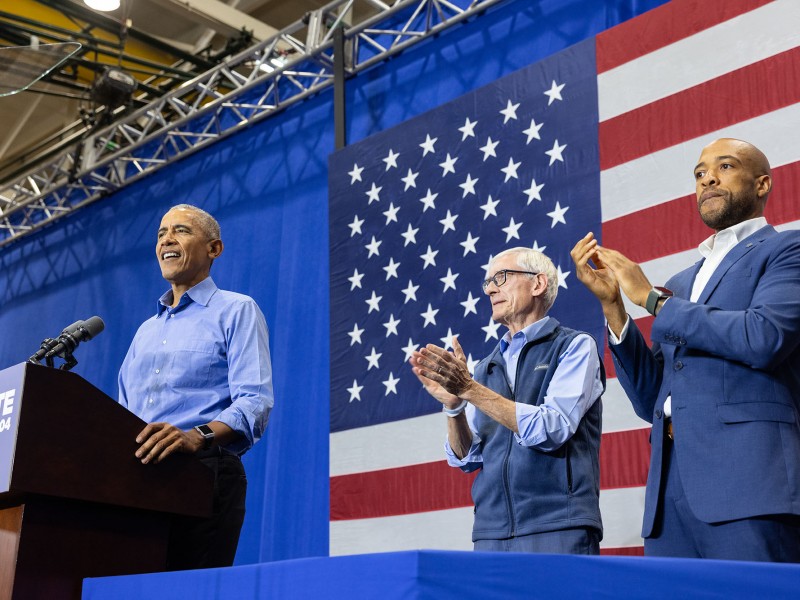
column 736, row 253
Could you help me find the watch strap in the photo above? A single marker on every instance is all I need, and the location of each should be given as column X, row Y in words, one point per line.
column 656, row 294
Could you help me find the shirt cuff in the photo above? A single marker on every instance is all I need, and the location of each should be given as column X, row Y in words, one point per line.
column 473, row 458
column 613, row 339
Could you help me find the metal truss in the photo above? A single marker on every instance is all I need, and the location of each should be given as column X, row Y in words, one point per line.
column 228, row 98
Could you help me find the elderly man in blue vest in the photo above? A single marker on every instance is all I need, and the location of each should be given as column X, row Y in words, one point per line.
column 529, row 419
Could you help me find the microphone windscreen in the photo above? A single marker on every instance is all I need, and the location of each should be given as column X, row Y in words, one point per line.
column 93, row 326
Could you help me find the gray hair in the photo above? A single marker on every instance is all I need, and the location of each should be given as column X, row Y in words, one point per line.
column 207, row 223
column 533, row 260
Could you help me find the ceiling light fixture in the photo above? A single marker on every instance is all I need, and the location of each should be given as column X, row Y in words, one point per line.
column 102, row 5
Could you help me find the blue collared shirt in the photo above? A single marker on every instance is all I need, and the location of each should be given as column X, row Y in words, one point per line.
column 205, row 360
column 575, row 387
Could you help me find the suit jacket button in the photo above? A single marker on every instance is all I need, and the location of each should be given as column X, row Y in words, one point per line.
column 659, row 414
column 678, row 365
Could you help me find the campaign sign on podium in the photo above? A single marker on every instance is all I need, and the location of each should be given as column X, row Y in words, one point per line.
column 11, row 381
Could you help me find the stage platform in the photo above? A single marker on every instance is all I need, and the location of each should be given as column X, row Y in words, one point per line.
column 439, row 575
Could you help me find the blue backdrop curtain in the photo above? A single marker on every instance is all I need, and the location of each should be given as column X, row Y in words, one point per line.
column 268, row 188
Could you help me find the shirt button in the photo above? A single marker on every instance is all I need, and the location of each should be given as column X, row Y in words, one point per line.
column 158, row 371
column 172, row 316
column 164, row 341
column 149, row 400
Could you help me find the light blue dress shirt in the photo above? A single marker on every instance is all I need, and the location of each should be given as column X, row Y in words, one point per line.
column 205, row 360
column 575, row 387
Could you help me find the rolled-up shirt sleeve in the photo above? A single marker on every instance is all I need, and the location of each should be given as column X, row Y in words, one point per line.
column 474, row 458
column 249, row 376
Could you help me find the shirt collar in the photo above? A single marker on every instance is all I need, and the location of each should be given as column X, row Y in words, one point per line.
column 738, row 232
column 200, row 293
column 528, row 333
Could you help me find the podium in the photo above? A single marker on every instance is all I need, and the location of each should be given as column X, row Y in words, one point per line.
column 74, row 500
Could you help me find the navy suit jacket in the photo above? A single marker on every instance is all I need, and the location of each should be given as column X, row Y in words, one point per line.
column 731, row 362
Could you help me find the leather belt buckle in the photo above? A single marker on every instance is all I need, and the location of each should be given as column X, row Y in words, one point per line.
column 669, row 430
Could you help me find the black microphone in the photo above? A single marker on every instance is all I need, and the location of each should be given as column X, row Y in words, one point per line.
column 50, row 343
column 80, row 331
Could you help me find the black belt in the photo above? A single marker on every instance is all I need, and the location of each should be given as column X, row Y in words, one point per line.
column 214, row 452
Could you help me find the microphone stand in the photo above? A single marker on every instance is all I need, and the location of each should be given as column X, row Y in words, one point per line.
column 47, row 345
column 44, row 352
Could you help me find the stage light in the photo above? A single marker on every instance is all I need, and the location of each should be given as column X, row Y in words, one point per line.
column 113, row 88
column 102, row 5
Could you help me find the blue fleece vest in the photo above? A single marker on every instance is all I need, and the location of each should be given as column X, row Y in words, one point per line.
column 521, row 490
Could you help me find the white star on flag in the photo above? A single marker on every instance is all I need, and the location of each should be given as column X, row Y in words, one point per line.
column 489, row 208
column 557, row 214
column 355, row 279
column 449, row 280
column 429, row 316
column 374, row 302
column 512, row 231
column 409, row 349
column 449, row 165
column 429, row 257
column 391, row 159
column 410, row 292
column 555, row 153
column 511, row 169
column 410, row 180
column 373, row 194
column 355, row 391
column 533, row 191
column 447, row 340
column 468, row 186
column 554, row 93
column 373, row 359
column 391, row 384
column 391, row 325
column 410, row 236
column 488, row 148
column 355, row 226
column 562, row 277
column 449, row 222
column 373, row 247
column 355, row 335
column 355, row 174
column 468, row 129
column 427, row 145
column 428, row 201
column 391, row 214
column 509, row 112
column 491, row 330
column 469, row 304
column 391, row 269
column 469, row 244
column 533, row 131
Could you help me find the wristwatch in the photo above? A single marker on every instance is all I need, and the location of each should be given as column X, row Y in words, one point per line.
column 656, row 294
column 208, row 435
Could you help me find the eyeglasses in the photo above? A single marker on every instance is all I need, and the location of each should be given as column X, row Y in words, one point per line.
column 500, row 277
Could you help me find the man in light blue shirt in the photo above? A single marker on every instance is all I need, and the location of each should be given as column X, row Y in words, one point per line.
column 529, row 419
column 199, row 373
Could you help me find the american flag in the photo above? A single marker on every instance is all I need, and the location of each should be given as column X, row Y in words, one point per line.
column 602, row 136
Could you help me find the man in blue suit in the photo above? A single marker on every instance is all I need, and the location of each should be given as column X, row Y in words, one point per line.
column 721, row 383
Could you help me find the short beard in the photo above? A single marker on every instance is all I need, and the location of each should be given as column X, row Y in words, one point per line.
column 736, row 210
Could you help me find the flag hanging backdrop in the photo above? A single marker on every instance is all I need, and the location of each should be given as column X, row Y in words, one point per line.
column 602, row 136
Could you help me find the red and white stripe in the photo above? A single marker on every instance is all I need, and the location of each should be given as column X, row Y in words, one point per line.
column 669, row 82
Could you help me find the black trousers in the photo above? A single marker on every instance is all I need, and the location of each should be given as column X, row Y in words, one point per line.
column 207, row 543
